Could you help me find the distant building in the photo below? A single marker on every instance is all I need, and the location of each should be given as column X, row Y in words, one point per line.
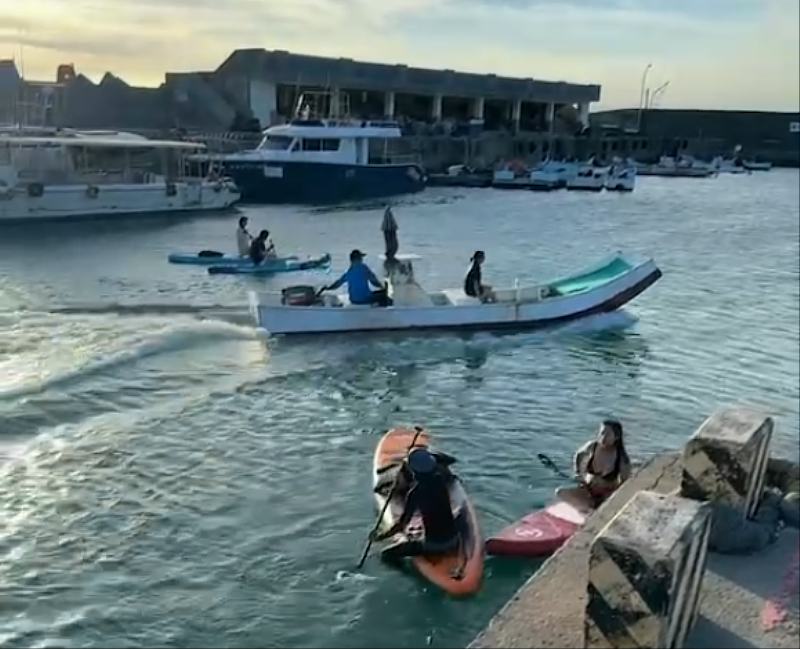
column 266, row 83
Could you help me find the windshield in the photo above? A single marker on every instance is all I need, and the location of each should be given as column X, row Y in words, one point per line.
column 276, row 143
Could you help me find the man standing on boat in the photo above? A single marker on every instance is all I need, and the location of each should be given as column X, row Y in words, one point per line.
column 359, row 279
column 389, row 229
column 243, row 238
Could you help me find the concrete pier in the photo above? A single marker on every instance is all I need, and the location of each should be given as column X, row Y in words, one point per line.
column 743, row 602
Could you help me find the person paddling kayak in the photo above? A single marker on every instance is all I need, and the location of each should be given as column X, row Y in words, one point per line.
column 261, row 248
column 601, row 466
column 430, row 496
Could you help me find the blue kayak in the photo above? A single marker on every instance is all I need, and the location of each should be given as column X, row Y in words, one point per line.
column 271, row 266
column 213, row 258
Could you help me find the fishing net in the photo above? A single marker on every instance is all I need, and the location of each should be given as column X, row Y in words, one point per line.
column 731, row 533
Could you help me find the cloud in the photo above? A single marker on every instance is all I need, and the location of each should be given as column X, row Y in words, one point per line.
column 716, row 53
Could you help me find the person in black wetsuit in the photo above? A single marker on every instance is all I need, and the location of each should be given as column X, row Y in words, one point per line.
column 430, row 496
column 473, row 282
column 259, row 248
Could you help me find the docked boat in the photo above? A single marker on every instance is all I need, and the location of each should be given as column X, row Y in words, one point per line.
column 511, row 175
column 552, row 174
column 680, row 167
column 243, row 266
column 459, row 572
column 605, row 287
column 729, row 165
column 589, row 178
column 50, row 174
column 320, row 158
column 621, row 178
column 460, row 176
column 757, row 165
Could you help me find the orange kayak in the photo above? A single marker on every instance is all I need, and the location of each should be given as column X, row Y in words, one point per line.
column 459, row 572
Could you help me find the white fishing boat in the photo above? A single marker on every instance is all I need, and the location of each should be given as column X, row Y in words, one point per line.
column 589, row 178
column 603, row 288
column 49, row 174
column 621, row 178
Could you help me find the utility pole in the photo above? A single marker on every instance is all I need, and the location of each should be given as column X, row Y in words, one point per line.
column 647, row 69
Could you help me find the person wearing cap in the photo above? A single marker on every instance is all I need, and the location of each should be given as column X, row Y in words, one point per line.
column 473, row 282
column 360, row 279
column 430, row 496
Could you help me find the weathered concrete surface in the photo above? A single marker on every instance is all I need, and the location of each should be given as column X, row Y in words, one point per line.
column 738, row 592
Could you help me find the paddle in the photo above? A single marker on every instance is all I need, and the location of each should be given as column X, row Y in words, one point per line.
column 376, row 527
column 548, row 463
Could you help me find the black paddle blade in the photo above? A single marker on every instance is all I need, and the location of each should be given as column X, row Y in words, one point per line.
column 546, row 461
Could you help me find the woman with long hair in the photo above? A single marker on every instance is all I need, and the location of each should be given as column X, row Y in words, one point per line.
column 601, row 466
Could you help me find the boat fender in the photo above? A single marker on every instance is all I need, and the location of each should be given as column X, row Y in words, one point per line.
column 35, row 190
column 171, row 189
column 92, row 191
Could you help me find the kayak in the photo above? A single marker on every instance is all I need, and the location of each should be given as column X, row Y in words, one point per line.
column 212, row 258
column 457, row 573
column 539, row 533
column 271, row 266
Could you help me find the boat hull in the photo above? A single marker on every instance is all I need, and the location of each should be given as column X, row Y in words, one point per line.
column 458, row 573
column 317, row 183
column 448, row 311
column 65, row 202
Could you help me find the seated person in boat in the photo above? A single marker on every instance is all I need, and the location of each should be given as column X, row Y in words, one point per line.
column 473, row 282
column 601, row 466
column 243, row 238
column 261, row 248
column 359, row 279
column 430, row 497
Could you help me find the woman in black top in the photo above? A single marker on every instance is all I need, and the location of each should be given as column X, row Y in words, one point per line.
column 473, row 282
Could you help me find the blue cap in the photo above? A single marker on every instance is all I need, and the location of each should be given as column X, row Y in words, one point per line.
column 420, row 461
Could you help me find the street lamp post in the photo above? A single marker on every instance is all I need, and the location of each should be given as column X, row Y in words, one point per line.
column 656, row 94
column 647, row 69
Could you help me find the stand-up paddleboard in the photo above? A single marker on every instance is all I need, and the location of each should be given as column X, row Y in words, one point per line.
column 214, row 257
column 272, row 266
column 459, row 572
column 539, row 533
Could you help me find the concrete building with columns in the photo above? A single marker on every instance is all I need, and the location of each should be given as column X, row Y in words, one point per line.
column 265, row 84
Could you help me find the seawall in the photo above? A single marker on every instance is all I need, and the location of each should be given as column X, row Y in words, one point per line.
column 743, row 601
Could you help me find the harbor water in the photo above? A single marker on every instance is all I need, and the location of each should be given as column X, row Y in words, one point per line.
column 172, row 478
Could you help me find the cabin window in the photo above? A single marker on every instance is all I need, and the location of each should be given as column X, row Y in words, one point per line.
column 277, row 143
column 325, row 144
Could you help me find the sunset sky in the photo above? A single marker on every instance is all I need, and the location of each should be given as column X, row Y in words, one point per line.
column 715, row 53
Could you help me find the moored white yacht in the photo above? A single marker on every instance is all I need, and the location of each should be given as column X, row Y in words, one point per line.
column 677, row 167
column 590, row 178
column 53, row 174
column 622, row 176
column 322, row 158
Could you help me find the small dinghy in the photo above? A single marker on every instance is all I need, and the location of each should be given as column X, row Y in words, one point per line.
column 213, row 258
column 537, row 534
column 271, row 266
column 605, row 287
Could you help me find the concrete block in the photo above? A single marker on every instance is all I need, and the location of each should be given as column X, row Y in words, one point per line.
column 726, row 459
column 646, row 569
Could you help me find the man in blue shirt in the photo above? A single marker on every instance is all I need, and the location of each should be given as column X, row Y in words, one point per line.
column 358, row 278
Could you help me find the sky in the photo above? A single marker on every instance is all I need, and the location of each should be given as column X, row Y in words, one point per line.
column 726, row 54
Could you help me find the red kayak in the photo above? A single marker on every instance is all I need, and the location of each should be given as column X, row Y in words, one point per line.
column 539, row 533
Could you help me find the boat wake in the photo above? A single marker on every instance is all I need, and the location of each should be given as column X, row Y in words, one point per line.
column 173, row 338
column 232, row 314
